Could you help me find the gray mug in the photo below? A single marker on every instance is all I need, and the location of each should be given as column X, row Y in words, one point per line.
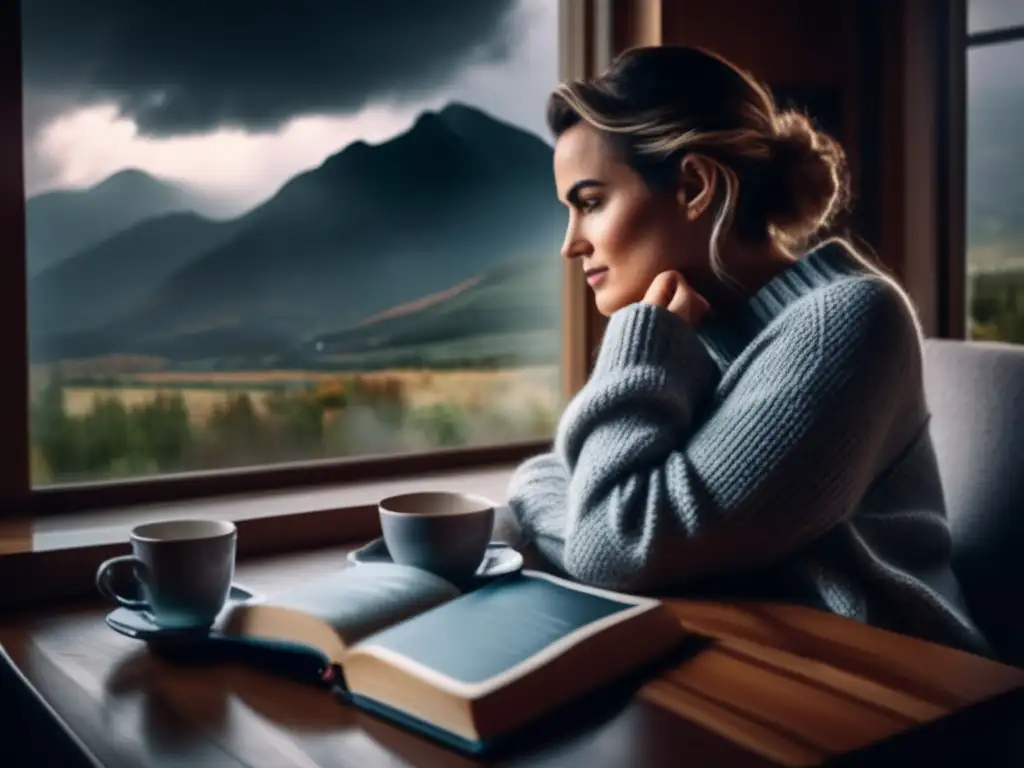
column 184, row 569
column 438, row 531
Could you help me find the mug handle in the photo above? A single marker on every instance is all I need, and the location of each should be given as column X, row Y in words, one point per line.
column 103, row 577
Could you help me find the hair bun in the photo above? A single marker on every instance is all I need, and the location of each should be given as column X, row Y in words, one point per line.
column 810, row 178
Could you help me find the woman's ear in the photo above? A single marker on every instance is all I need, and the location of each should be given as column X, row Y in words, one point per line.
column 697, row 182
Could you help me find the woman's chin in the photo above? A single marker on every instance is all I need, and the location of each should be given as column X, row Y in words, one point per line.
column 607, row 306
column 601, row 306
column 609, row 302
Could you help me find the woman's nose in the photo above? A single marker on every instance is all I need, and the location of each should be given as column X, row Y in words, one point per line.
column 572, row 245
column 567, row 249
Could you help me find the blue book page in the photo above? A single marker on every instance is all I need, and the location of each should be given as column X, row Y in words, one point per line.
column 487, row 632
column 363, row 599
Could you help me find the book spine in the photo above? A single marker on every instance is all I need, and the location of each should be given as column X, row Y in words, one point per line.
column 415, row 724
column 282, row 658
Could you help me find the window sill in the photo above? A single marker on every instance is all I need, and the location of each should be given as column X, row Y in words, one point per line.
column 86, row 529
column 59, row 554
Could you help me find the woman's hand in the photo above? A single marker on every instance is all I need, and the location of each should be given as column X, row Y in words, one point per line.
column 671, row 291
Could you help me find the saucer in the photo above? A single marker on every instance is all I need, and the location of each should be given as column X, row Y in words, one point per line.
column 499, row 560
column 141, row 625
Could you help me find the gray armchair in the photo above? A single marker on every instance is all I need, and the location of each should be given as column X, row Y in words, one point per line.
column 975, row 392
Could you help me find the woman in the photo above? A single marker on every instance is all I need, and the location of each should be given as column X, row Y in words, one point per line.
column 755, row 416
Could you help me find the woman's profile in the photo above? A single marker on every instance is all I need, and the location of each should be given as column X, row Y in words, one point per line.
column 755, row 416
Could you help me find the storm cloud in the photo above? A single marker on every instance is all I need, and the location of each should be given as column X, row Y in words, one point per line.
column 188, row 66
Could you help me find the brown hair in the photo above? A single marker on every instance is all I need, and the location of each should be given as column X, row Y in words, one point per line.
column 783, row 179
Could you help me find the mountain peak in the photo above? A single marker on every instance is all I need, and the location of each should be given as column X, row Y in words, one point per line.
column 426, row 120
column 64, row 222
column 129, row 178
column 129, row 173
column 428, row 134
column 457, row 114
column 460, row 117
column 461, row 108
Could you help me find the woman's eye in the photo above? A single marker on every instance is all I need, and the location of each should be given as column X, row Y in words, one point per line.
column 590, row 204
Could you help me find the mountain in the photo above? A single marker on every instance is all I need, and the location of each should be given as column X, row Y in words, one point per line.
column 63, row 222
column 90, row 289
column 509, row 315
column 372, row 228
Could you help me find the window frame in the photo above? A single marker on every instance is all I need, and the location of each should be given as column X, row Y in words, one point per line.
column 584, row 38
column 951, row 176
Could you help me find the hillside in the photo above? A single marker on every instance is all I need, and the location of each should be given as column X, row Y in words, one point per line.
column 510, row 316
column 97, row 286
column 372, row 228
column 64, row 222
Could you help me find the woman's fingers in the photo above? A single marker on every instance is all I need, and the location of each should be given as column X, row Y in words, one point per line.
column 671, row 291
column 663, row 289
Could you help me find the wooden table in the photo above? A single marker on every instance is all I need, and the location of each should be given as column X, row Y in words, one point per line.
column 772, row 685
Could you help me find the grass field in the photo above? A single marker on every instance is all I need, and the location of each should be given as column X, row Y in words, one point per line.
column 88, row 427
column 536, row 386
column 996, row 303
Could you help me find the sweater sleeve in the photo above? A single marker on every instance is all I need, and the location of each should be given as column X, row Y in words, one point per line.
column 537, row 499
column 655, row 499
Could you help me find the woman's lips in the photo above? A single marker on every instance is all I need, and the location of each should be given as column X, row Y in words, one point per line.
column 596, row 275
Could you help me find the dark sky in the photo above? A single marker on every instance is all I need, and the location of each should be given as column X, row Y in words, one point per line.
column 182, row 69
column 180, row 66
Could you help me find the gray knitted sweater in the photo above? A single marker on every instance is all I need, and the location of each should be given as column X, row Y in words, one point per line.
column 780, row 453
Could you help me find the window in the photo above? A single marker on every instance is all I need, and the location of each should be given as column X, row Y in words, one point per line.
column 287, row 236
column 995, row 166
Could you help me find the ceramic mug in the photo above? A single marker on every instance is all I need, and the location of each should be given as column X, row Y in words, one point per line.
column 184, row 570
column 442, row 532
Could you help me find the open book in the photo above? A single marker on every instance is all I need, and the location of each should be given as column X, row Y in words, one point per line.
column 469, row 668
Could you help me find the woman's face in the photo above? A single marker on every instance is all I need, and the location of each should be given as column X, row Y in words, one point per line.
column 622, row 232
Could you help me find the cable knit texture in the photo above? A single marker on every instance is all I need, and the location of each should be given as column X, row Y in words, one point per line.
column 782, row 452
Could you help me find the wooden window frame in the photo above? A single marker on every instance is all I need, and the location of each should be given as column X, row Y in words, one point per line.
column 585, row 38
column 917, row 80
column 951, row 262
column 922, row 200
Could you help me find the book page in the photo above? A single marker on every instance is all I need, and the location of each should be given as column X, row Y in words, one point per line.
column 360, row 600
column 488, row 632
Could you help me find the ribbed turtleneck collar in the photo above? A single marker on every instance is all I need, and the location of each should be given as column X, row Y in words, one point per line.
column 729, row 335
